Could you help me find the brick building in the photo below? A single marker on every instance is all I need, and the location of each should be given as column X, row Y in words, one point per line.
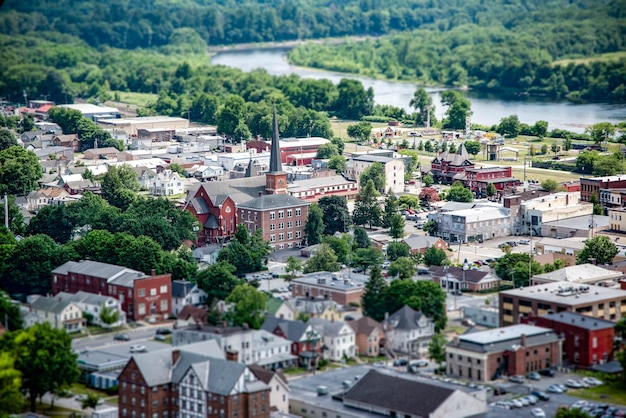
column 301, row 150
column 586, row 341
column 515, row 350
column 479, row 178
column 140, row 295
column 448, row 167
column 329, row 286
column 556, row 297
column 592, row 185
column 176, row 383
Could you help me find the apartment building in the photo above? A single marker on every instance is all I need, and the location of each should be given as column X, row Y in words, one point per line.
column 590, row 186
column 394, row 170
column 474, row 224
column 534, row 213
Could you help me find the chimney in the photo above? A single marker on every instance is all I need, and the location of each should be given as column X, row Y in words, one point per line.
column 175, row 356
column 523, row 340
column 153, row 272
column 232, row 355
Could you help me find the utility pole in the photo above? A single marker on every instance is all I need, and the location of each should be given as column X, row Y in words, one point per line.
column 525, row 156
column 530, row 255
column 6, row 211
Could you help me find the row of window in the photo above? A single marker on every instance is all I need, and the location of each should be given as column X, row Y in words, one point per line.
column 153, row 291
column 281, row 237
column 281, row 213
column 281, row 225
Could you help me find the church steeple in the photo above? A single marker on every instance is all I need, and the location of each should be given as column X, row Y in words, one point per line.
column 275, row 163
column 275, row 179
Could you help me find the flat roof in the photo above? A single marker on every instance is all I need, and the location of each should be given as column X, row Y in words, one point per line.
column 561, row 243
column 142, row 119
column 90, row 108
column 497, row 335
column 581, row 222
column 569, row 293
column 604, row 178
column 342, row 282
column 579, row 320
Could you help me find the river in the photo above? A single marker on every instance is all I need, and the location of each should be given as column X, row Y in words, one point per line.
column 487, row 109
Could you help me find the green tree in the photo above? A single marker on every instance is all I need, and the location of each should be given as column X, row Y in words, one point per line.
column 16, row 219
column 408, row 201
column 396, row 250
column 376, row 173
column 367, row 257
column 177, row 168
column 491, row 189
column 45, row 358
column 428, row 146
column 459, row 109
column 19, row 171
column 324, row 259
column 11, row 399
column 403, row 268
column 421, row 295
column 565, row 412
column 91, row 401
column 458, row 193
column 10, row 313
column 340, row 246
column 218, row 280
column 567, row 143
column 421, row 102
column 544, row 149
column 427, row 180
column 7, row 139
column 509, row 126
column 431, row 228
column 600, row 248
column 109, row 316
column 119, row 186
column 314, row 225
column 337, row 163
column 373, row 295
column 391, row 208
column 607, row 165
column 601, row 132
column 585, row 161
column 434, row 256
column 555, row 148
column 366, row 208
column 396, row 229
column 230, row 114
column 549, row 185
column 361, row 239
column 360, row 132
column 328, row 150
column 472, row 147
column 250, row 306
column 437, row 349
column 335, row 214
column 353, row 101
column 294, row 265
column 540, row 128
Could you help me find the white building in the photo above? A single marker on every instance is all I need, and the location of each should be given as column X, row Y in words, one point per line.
column 59, row 314
column 94, row 112
column 93, row 305
column 394, row 170
column 475, row 224
column 186, row 293
column 167, row 183
column 553, row 207
column 230, row 160
column 409, row 331
column 338, row 337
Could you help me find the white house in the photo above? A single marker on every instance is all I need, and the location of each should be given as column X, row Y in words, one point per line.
column 279, row 387
column 59, row 314
column 93, row 305
column 166, row 183
column 207, row 254
column 186, row 293
column 338, row 336
column 409, row 331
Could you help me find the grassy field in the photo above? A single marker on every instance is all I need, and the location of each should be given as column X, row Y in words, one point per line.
column 609, row 393
column 609, row 56
column 135, row 99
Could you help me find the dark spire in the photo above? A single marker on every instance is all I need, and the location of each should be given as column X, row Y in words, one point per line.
column 275, row 164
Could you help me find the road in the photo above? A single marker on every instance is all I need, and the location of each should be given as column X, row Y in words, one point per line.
column 143, row 332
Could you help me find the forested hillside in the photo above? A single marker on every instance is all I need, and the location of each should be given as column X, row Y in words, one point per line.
column 517, row 55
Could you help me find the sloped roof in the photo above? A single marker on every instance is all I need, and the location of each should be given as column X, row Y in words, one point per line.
column 53, row 305
column 239, row 190
column 83, row 297
column 275, row 161
column 181, row 288
column 415, row 241
column 111, row 272
column 407, row 397
column 266, row 375
column 407, row 318
column 272, row 201
column 328, row 328
column 472, row 276
column 364, row 325
column 293, row 330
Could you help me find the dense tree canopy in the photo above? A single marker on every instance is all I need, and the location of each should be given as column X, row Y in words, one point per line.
column 600, row 248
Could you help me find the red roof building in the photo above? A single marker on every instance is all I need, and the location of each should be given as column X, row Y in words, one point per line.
column 477, row 179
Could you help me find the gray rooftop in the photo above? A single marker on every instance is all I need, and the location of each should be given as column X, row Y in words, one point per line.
column 579, row 320
column 272, row 201
column 566, row 293
column 181, row 288
column 374, row 158
column 328, row 328
column 96, row 269
column 333, row 280
column 580, row 222
column 581, row 273
column 504, row 339
column 293, row 330
column 407, row 318
column 53, row 305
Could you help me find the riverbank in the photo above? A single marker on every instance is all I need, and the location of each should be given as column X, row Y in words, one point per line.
column 284, row 44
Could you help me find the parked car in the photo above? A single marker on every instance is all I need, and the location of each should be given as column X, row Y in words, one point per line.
column 540, row 395
column 517, row 403
column 121, row 337
column 547, row 372
column 524, row 242
column 580, row 404
column 554, row 389
column 160, row 337
column 386, row 264
column 562, row 387
column 516, row 378
column 400, row 362
column 574, row 384
column 137, row 348
column 538, row 413
column 357, row 270
column 419, row 363
column 592, row 381
column 163, row 331
column 532, row 399
column 533, row 376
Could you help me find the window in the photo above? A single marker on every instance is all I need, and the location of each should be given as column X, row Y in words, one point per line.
column 289, row 213
column 281, row 237
column 298, row 212
column 141, row 308
column 298, row 223
column 281, row 214
column 164, row 305
column 272, row 238
column 289, row 224
column 163, row 289
column 142, row 293
column 281, row 225
column 272, row 216
column 272, row 227
column 298, row 234
column 289, row 235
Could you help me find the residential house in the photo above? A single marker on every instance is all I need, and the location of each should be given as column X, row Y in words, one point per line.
column 515, row 350
column 338, row 337
column 191, row 315
column 58, row 313
column 461, row 278
column 368, row 334
column 242, row 344
column 207, row 254
column 283, row 309
column 305, row 340
column 107, row 153
column 186, row 293
column 279, row 387
column 104, row 311
column 141, row 295
column 418, row 244
column 586, row 341
column 145, row 177
column 321, row 308
column 54, row 153
column 75, row 184
column 174, row 382
column 408, row 331
column 556, row 297
column 69, row 141
column 166, row 183
column 38, row 199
